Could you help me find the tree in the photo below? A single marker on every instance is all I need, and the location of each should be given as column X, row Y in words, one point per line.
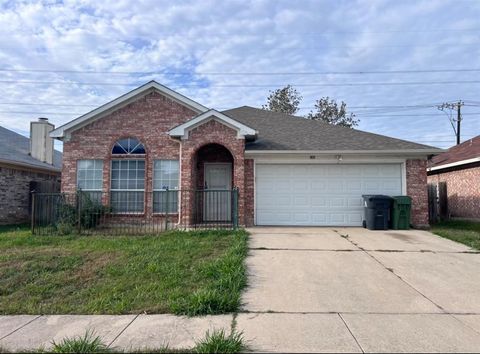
column 284, row 100
column 330, row 112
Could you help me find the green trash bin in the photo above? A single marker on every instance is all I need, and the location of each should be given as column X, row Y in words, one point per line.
column 401, row 208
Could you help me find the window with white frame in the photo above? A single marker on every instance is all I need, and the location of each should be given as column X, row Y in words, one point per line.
column 128, row 146
column 89, row 175
column 165, row 186
column 127, row 186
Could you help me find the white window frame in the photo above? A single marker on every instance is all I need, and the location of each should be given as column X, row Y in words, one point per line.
column 95, row 161
column 128, row 190
column 163, row 189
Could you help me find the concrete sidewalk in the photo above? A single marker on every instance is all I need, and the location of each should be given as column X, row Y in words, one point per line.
column 127, row 332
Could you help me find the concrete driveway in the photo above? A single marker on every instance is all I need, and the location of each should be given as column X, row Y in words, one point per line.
column 355, row 290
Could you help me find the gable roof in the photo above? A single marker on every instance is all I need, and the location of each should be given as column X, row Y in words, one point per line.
column 183, row 129
column 15, row 148
column 123, row 100
column 464, row 153
column 283, row 132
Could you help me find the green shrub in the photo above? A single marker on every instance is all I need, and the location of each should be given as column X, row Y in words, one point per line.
column 88, row 210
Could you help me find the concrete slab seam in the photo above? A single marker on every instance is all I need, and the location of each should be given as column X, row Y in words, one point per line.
column 463, row 323
column 20, row 327
column 358, row 250
column 351, row 333
column 393, row 272
column 123, row 330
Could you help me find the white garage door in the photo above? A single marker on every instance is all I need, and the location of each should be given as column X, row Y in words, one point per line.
column 320, row 194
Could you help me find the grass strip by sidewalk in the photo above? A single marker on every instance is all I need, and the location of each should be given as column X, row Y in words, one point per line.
column 466, row 232
column 215, row 342
column 190, row 273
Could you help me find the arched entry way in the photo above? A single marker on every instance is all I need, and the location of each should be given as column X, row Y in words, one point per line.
column 213, row 179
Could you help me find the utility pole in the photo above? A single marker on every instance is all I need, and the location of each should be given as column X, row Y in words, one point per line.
column 452, row 106
column 459, row 119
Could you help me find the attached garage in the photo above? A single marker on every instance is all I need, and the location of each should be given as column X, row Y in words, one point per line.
column 321, row 194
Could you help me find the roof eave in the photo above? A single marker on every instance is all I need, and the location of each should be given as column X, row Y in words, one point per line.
column 420, row 152
column 32, row 167
column 454, row 164
column 181, row 131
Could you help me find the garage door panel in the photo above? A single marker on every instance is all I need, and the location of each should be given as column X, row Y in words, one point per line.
column 320, row 194
column 355, row 203
column 353, row 185
column 318, row 185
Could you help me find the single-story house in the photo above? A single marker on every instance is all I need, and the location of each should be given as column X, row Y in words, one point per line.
column 26, row 164
column 458, row 169
column 288, row 170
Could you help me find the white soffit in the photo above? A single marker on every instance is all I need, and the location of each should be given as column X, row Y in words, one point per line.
column 182, row 130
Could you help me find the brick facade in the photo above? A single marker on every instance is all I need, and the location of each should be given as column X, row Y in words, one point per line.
column 249, row 192
column 417, row 189
column 463, row 190
column 15, row 192
column 149, row 119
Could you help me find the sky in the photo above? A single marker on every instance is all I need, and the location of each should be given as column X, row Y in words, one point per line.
column 392, row 62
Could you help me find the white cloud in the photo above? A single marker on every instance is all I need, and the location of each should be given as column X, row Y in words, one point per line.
column 238, row 36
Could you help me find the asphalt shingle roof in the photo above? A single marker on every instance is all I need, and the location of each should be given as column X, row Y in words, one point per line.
column 469, row 149
column 15, row 148
column 279, row 131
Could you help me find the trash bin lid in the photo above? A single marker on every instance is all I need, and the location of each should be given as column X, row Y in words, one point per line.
column 376, row 197
column 402, row 199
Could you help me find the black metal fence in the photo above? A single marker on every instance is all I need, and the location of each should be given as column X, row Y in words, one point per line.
column 133, row 212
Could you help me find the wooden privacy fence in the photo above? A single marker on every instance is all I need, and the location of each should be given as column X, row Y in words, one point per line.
column 438, row 202
column 121, row 213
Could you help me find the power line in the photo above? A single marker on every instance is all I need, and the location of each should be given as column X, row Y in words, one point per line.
column 202, row 85
column 183, row 73
column 360, row 115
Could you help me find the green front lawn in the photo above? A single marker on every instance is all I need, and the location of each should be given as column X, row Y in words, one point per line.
column 191, row 273
column 466, row 232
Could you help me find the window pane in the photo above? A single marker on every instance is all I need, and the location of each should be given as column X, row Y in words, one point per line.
column 129, row 175
column 165, row 174
column 127, row 202
column 164, row 201
column 89, row 174
column 128, row 146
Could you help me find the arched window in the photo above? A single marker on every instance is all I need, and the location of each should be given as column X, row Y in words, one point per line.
column 128, row 146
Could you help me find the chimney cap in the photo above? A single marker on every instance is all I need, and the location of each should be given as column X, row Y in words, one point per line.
column 43, row 119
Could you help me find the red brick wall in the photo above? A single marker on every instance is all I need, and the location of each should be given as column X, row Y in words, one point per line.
column 147, row 119
column 249, row 193
column 417, row 189
column 15, row 192
column 463, row 191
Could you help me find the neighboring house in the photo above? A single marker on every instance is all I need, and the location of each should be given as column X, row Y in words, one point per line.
column 25, row 163
column 289, row 170
column 459, row 170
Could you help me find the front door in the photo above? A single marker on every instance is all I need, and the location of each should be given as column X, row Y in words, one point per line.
column 217, row 206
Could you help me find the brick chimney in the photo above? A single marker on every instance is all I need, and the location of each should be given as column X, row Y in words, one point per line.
column 41, row 145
